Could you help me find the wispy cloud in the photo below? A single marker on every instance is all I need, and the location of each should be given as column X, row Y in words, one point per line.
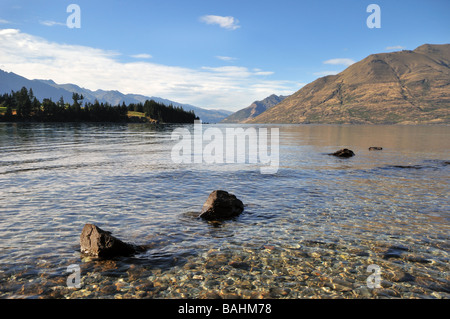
column 261, row 72
column 226, row 58
column 3, row 21
column 337, row 61
column 236, row 71
column 141, row 56
column 340, row 61
column 229, row 23
column 228, row 87
column 325, row 73
column 395, row 47
column 50, row 23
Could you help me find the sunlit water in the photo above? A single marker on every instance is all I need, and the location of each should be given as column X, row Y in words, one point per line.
column 309, row 231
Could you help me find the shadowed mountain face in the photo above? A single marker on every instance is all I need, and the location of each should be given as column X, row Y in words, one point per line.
column 405, row 87
column 256, row 108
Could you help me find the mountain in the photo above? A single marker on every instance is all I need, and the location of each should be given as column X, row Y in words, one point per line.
column 12, row 82
column 49, row 89
column 116, row 97
column 256, row 108
column 405, row 87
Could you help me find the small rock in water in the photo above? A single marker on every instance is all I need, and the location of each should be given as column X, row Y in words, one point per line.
column 403, row 277
column 385, row 292
column 210, row 295
column 240, row 265
column 375, row 148
column 221, row 205
column 363, row 292
column 94, row 241
column 343, row 153
column 395, row 252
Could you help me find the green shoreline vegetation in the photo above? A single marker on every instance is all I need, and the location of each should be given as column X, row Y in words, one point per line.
column 23, row 106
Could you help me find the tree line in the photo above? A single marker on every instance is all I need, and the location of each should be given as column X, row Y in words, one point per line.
column 22, row 105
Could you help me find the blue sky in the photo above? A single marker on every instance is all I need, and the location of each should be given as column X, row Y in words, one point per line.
column 210, row 53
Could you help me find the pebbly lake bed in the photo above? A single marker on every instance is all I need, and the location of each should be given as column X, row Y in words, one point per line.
column 310, row 230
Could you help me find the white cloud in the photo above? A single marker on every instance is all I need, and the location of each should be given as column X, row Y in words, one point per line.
column 225, row 58
column 141, row 56
column 325, row 73
column 264, row 73
column 261, row 72
column 50, row 23
column 9, row 31
column 236, row 71
column 229, row 23
column 3, row 21
column 228, row 87
column 395, row 47
column 340, row 61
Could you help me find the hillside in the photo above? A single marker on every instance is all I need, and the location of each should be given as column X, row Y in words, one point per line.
column 405, row 87
column 42, row 89
column 256, row 108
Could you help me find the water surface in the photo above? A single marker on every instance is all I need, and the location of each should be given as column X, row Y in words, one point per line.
column 308, row 231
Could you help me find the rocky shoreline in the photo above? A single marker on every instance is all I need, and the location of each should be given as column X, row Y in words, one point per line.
column 309, row 270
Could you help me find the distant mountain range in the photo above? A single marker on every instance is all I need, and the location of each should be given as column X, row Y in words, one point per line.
column 404, row 87
column 49, row 89
column 256, row 108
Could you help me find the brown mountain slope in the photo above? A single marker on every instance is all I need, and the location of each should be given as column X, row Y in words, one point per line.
column 398, row 87
column 252, row 111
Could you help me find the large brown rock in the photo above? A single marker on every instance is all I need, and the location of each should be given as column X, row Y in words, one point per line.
column 221, row 205
column 94, row 241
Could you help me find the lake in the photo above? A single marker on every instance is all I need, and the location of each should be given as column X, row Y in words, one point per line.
column 315, row 229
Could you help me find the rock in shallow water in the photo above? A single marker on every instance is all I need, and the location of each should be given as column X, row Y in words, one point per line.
column 240, row 265
column 94, row 241
column 221, row 205
column 343, row 153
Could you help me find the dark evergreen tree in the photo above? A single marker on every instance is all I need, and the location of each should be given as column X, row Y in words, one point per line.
column 23, row 103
